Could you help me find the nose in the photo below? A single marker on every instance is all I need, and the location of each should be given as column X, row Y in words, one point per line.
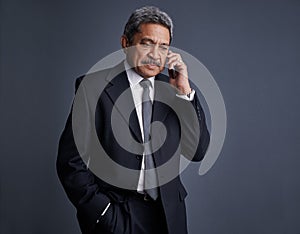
column 154, row 52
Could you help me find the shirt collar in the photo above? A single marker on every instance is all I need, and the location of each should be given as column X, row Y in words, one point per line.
column 133, row 77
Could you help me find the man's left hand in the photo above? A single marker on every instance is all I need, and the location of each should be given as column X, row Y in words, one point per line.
column 178, row 73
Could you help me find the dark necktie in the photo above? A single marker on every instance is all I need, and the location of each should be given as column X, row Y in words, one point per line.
column 150, row 178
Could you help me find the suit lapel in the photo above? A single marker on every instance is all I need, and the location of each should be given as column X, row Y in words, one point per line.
column 119, row 85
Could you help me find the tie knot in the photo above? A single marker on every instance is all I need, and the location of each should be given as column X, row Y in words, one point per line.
column 145, row 83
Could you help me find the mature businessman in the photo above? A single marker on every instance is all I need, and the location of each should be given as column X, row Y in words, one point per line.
column 153, row 204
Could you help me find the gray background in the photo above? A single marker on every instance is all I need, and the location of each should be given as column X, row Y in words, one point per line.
column 250, row 47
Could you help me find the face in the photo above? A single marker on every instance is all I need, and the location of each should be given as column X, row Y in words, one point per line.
column 149, row 49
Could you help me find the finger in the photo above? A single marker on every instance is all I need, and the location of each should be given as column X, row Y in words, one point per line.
column 175, row 62
column 172, row 55
column 171, row 65
column 174, row 59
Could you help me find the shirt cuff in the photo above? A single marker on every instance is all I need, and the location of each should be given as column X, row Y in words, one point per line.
column 188, row 97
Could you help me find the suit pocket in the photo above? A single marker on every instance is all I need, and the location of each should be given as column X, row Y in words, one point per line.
column 106, row 221
column 116, row 219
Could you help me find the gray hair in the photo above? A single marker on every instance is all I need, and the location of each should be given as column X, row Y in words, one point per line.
column 147, row 14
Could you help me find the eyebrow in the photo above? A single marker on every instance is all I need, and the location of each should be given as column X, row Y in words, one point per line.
column 146, row 39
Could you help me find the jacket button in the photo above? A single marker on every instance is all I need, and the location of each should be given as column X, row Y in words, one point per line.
column 139, row 157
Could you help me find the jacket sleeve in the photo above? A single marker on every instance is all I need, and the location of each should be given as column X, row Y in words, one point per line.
column 78, row 181
column 195, row 136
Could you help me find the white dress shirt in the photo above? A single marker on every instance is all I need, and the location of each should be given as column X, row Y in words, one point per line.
column 137, row 92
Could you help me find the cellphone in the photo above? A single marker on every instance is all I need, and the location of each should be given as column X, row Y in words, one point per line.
column 172, row 73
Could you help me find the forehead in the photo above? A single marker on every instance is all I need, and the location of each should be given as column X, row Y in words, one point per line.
column 156, row 32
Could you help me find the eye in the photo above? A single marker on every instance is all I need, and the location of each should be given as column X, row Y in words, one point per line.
column 146, row 44
column 164, row 47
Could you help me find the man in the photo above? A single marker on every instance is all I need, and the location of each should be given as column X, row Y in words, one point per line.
column 154, row 201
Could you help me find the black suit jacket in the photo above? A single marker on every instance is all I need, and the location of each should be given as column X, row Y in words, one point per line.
column 89, row 193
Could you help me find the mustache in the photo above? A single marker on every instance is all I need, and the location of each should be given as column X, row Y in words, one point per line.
column 151, row 61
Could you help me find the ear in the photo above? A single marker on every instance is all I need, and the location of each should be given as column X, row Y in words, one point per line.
column 124, row 42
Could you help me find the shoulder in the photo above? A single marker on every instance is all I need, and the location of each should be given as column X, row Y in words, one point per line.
column 103, row 74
